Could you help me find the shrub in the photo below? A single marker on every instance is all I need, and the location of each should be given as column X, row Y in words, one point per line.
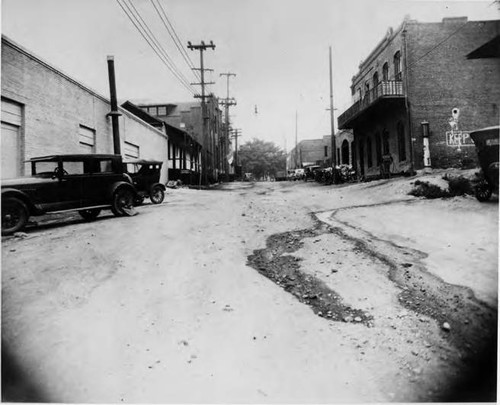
column 460, row 186
column 427, row 190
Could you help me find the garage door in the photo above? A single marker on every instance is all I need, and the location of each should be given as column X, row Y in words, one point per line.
column 10, row 151
column 10, row 139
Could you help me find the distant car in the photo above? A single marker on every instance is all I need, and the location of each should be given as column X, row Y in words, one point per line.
column 145, row 175
column 248, row 177
column 83, row 183
column 280, row 175
column 299, row 174
column 310, row 172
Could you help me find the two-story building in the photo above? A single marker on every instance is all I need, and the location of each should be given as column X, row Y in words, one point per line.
column 188, row 117
column 418, row 82
column 310, row 152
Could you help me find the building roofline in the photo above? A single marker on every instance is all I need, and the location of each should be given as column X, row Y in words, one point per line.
column 9, row 42
column 391, row 34
column 47, row 65
column 134, row 117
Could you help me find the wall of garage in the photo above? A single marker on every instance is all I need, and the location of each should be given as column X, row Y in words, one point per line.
column 51, row 113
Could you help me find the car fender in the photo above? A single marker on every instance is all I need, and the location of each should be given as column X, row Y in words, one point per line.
column 12, row 192
column 121, row 184
column 162, row 186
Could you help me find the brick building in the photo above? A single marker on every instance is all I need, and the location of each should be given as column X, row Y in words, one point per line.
column 318, row 151
column 187, row 117
column 310, row 152
column 46, row 112
column 420, row 73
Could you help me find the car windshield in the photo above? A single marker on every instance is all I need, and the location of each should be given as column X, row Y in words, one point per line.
column 44, row 169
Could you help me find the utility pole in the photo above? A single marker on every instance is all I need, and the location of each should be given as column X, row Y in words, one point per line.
column 227, row 102
column 203, row 47
column 296, row 144
column 332, row 121
column 236, row 133
column 407, row 102
column 286, row 160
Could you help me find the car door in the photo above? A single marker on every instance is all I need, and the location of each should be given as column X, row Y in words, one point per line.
column 97, row 184
column 70, row 186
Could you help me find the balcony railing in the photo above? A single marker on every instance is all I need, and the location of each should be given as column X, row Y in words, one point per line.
column 385, row 89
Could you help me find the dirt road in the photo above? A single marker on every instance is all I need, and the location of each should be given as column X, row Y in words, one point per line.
column 265, row 293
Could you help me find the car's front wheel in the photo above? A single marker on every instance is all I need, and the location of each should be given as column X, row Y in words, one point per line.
column 15, row 215
column 157, row 195
column 123, row 202
column 90, row 214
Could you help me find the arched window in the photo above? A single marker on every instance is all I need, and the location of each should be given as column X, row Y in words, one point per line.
column 385, row 72
column 369, row 158
column 378, row 147
column 345, row 152
column 397, row 66
column 401, row 141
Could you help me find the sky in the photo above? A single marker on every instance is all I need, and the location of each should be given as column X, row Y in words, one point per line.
column 278, row 49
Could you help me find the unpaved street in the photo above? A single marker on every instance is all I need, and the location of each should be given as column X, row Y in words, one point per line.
column 258, row 292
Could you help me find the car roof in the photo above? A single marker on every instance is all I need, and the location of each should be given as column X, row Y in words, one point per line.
column 143, row 161
column 78, row 156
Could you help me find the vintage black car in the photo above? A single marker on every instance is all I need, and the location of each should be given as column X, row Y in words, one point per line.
column 146, row 178
column 85, row 183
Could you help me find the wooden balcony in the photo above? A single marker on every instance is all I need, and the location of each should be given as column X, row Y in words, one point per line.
column 391, row 89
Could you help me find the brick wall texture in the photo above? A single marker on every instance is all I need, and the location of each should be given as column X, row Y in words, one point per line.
column 55, row 106
column 440, row 78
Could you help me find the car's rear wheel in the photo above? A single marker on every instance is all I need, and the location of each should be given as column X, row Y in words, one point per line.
column 123, row 202
column 483, row 192
column 157, row 195
column 90, row 214
column 15, row 215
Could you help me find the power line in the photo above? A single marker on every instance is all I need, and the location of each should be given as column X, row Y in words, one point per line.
column 173, row 34
column 160, row 52
column 150, row 34
column 437, row 46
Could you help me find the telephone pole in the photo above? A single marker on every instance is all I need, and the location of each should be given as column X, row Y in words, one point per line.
column 203, row 47
column 296, row 143
column 227, row 102
column 236, row 133
column 332, row 121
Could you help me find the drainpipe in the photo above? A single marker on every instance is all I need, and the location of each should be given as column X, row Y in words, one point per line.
column 114, row 113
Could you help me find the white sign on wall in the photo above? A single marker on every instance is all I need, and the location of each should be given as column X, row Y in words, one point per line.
column 458, row 139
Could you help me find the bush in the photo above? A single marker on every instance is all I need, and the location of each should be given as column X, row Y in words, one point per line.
column 427, row 190
column 460, row 186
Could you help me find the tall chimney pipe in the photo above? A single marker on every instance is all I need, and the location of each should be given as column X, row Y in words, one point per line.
column 114, row 106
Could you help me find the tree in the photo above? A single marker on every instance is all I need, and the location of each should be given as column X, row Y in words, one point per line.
column 261, row 158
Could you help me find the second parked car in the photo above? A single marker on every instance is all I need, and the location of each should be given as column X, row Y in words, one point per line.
column 85, row 183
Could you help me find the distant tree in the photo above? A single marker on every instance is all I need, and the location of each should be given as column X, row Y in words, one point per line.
column 261, row 158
